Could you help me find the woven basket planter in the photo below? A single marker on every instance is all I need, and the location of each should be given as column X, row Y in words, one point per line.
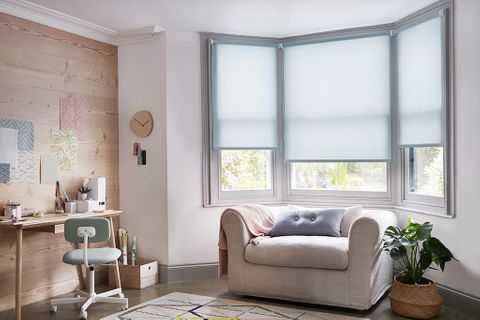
column 418, row 301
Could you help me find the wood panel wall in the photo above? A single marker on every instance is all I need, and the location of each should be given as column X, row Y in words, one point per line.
column 38, row 65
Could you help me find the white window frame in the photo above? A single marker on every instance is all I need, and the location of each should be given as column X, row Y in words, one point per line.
column 442, row 206
column 396, row 196
column 212, row 193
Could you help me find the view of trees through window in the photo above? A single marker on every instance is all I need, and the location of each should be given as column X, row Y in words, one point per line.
column 246, row 170
column 426, row 171
column 348, row 176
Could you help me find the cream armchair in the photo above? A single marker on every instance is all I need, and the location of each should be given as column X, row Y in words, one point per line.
column 350, row 271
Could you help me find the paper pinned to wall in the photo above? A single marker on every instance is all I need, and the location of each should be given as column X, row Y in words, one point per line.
column 8, row 146
column 25, row 141
column 4, row 172
column 25, row 171
column 73, row 115
column 64, row 145
column 48, row 169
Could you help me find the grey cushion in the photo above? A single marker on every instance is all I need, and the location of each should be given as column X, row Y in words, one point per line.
column 309, row 222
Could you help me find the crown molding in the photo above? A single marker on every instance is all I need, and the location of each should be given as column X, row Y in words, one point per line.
column 135, row 36
column 56, row 19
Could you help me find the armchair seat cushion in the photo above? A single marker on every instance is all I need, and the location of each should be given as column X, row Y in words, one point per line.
column 319, row 252
column 94, row 255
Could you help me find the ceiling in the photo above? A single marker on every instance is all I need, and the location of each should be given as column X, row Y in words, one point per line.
column 275, row 18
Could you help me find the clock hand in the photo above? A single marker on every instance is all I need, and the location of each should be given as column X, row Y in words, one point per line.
column 138, row 121
column 143, row 125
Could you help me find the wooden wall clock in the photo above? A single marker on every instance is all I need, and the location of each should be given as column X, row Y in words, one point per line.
column 142, row 123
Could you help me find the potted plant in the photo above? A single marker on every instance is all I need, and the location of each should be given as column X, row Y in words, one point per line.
column 82, row 192
column 414, row 248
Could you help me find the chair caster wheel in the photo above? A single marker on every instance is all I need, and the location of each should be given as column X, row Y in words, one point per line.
column 124, row 307
column 53, row 308
column 121, row 295
column 83, row 315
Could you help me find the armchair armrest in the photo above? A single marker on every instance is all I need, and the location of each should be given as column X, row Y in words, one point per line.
column 369, row 268
column 236, row 233
column 366, row 232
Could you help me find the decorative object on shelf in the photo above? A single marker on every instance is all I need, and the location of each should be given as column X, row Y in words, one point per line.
column 12, row 210
column 137, row 147
column 142, row 158
column 70, row 206
column 73, row 115
column 414, row 248
column 83, row 192
column 59, row 201
column 64, row 146
column 142, row 123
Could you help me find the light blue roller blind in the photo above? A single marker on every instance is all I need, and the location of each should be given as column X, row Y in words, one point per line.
column 337, row 100
column 420, row 103
column 245, row 112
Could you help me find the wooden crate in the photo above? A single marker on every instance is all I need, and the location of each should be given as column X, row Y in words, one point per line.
column 139, row 276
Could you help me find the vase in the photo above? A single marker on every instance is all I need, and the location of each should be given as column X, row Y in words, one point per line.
column 417, row 301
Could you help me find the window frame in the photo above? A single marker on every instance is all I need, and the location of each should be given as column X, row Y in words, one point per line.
column 395, row 197
column 444, row 207
column 212, row 193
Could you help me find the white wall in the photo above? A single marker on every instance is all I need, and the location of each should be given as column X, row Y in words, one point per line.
column 193, row 230
column 143, row 189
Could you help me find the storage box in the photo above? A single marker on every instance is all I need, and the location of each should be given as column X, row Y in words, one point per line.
column 139, row 276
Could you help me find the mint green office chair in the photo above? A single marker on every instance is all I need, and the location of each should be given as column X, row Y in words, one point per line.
column 86, row 231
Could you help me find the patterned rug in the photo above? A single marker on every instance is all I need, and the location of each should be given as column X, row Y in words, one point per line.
column 183, row 306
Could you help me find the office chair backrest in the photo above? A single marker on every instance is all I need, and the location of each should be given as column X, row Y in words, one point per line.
column 101, row 225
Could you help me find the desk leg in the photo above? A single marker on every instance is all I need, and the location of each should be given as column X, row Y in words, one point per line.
column 18, row 274
column 113, row 245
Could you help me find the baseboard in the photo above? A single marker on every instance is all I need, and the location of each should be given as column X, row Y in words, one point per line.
column 457, row 300
column 188, row 272
column 460, row 301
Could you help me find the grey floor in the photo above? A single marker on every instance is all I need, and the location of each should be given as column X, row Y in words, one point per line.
column 213, row 288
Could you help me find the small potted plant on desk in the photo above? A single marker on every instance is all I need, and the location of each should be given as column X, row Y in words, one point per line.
column 414, row 249
column 83, row 192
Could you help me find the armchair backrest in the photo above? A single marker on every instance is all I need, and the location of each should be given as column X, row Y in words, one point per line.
column 101, row 225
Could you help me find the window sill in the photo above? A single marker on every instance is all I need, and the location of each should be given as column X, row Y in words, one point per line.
column 370, row 205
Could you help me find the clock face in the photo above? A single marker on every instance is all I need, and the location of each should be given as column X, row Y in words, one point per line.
column 142, row 123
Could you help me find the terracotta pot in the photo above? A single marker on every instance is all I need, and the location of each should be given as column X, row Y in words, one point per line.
column 418, row 301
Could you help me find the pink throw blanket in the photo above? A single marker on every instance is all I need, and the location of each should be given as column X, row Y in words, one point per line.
column 259, row 221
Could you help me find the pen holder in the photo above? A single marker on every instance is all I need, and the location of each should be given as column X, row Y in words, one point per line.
column 70, row 207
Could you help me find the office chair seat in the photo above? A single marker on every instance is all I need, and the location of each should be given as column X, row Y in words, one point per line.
column 95, row 256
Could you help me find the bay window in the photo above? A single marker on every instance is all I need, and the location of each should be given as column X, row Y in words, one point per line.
column 356, row 116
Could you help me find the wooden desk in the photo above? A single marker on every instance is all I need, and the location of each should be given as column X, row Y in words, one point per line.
column 50, row 223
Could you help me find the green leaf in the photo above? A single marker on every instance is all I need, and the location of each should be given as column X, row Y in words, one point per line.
column 398, row 253
column 438, row 249
column 424, row 231
column 425, row 259
column 439, row 262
